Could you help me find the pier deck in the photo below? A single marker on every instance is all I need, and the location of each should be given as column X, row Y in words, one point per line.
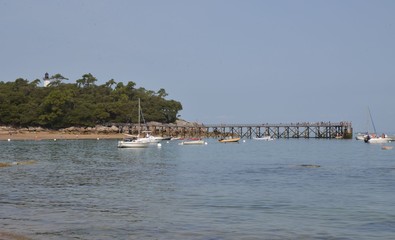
column 326, row 130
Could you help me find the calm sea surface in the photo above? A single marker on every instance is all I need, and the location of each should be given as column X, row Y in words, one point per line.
column 90, row 189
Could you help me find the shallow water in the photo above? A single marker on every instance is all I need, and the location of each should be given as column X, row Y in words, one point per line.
column 89, row 189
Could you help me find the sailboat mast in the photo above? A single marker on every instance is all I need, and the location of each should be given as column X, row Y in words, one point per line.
column 371, row 119
column 139, row 117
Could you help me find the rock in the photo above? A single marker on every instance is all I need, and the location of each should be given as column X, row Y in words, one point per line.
column 114, row 129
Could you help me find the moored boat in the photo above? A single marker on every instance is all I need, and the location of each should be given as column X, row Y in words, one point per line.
column 150, row 138
column 361, row 136
column 192, row 142
column 265, row 138
column 132, row 143
column 391, row 137
column 375, row 139
column 229, row 140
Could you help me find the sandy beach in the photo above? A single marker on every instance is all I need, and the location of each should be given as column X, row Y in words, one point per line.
column 56, row 136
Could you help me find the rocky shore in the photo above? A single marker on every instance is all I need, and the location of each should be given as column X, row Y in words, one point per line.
column 38, row 133
column 98, row 132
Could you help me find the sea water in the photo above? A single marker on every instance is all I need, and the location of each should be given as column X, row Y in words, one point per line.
column 282, row 189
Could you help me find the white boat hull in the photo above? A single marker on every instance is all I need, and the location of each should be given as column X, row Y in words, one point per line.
column 360, row 137
column 266, row 138
column 379, row 140
column 132, row 144
column 150, row 140
column 197, row 142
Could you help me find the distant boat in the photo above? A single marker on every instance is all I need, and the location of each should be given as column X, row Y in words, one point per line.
column 374, row 138
column 339, row 136
column 192, row 142
column 392, row 138
column 361, row 136
column 131, row 141
column 265, row 138
column 229, row 140
column 149, row 138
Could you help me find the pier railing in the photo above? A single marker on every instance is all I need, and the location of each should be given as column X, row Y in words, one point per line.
column 281, row 130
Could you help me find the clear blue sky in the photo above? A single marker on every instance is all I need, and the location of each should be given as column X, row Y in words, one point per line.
column 225, row 61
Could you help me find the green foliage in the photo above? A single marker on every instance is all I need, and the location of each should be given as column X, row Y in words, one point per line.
column 24, row 103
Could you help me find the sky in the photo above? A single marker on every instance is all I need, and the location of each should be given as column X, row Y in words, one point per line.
column 226, row 61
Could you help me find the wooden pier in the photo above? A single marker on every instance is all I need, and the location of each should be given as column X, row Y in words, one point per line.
column 326, row 130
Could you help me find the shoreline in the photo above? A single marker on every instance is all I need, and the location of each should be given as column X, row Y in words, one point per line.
column 58, row 136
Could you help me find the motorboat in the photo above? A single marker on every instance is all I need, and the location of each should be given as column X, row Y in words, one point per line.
column 379, row 140
column 375, row 139
column 192, row 142
column 264, row 138
column 361, row 136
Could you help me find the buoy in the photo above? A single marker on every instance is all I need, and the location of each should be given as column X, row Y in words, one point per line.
column 9, row 140
column 205, row 143
column 244, row 140
column 159, row 145
column 97, row 138
column 54, row 139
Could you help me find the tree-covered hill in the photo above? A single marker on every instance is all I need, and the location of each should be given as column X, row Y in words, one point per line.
column 83, row 103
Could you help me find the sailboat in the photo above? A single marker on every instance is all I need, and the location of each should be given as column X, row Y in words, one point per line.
column 131, row 141
column 148, row 137
column 374, row 138
column 362, row 135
